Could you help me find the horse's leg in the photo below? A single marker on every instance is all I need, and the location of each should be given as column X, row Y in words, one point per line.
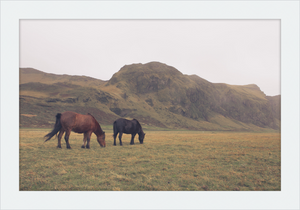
column 84, row 140
column 88, row 139
column 120, row 138
column 115, row 136
column 132, row 138
column 61, row 132
column 67, row 135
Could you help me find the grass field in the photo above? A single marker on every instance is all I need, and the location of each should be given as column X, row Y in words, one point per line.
column 167, row 161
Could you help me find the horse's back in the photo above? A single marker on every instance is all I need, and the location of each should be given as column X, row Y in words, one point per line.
column 77, row 122
column 68, row 118
column 119, row 124
column 126, row 126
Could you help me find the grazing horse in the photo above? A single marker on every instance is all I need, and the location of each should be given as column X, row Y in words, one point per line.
column 72, row 121
column 129, row 127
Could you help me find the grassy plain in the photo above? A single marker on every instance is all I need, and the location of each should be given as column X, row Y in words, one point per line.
column 167, row 161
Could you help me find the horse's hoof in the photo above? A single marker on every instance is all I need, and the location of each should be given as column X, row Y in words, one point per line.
column 83, row 146
column 87, row 147
column 59, row 147
column 114, row 144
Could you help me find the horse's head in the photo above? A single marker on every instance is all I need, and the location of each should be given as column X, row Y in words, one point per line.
column 141, row 137
column 101, row 139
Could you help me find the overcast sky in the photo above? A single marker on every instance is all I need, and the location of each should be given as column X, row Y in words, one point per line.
column 237, row 52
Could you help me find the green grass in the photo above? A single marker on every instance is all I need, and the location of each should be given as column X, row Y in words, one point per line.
column 167, row 161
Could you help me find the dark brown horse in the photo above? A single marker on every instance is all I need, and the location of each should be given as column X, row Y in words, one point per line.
column 72, row 121
column 132, row 127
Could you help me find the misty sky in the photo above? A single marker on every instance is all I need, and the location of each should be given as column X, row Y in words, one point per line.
column 237, row 52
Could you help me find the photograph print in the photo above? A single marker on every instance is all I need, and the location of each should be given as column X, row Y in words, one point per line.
column 150, row 105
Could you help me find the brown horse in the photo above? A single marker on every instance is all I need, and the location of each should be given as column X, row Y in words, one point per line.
column 72, row 121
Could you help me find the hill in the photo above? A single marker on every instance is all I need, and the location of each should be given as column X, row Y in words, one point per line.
column 154, row 93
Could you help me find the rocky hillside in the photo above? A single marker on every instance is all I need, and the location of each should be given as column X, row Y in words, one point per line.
column 154, row 93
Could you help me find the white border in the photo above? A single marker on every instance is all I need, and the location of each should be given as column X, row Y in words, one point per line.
column 13, row 11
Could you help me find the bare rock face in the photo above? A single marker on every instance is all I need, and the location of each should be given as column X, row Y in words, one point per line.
column 155, row 93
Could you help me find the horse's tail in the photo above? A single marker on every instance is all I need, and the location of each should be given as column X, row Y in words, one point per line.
column 115, row 129
column 56, row 128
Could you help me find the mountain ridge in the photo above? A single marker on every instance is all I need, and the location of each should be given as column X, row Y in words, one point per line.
column 155, row 93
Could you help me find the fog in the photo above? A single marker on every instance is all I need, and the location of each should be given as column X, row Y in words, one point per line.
column 237, row 52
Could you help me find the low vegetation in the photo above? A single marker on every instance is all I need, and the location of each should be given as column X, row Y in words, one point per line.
column 154, row 93
column 167, row 161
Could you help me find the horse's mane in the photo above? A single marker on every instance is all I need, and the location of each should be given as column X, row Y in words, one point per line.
column 93, row 117
column 95, row 121
column 138, row 124
column 90, row 115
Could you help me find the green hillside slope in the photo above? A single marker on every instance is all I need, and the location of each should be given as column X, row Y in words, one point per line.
column 154, row 93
